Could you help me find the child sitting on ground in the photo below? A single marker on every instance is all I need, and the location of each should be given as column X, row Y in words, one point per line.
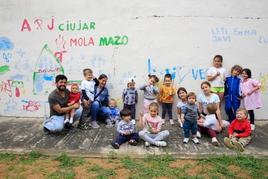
column 151, row 123
column 210, row 125
column 126, row 130
column 239, row 131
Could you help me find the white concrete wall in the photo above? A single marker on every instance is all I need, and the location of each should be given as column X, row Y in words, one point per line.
column 180, row 36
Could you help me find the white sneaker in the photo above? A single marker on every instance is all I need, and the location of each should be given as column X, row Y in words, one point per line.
column 252, row 127
column 66, row 121
column 171, row 121
column 147, row 144
column 215, row 141
column 71, row 121
column 198, row 134
column 180, row 124
column 185, row 140
column 195, row 140
column 133, row 121
column 161, row 143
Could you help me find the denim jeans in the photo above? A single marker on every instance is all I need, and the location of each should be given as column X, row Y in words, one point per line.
column 189, row 126
column 98, row 111
column 152, row 138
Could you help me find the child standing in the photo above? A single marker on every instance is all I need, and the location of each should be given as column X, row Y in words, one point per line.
column 216, row 76
column 182, row 95
column 210, row 125
column 251, row 94
column 126, row 130
column 87, row 87
column 239, row 131
column 151, row 124
column 167, row 91
column 189, row 118
column 114, row 111
column 130, row 97
column 150, row 92
column 74, row 97
column 232, row 92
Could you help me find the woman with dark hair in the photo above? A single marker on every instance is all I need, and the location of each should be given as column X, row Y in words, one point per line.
column 99, row 107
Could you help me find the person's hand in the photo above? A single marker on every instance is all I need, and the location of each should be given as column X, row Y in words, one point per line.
column 154, row 131
column 141, row 115
column 230, row 135
column 182, row 120
column 86, row 102
column 219, row 128
column 126, row 132
column 249, row 93
column 76, row 106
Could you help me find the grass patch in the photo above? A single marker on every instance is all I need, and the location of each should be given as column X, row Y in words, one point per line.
column 7, row 157
column 60, row 174
column 101, row 172
column 68, row 162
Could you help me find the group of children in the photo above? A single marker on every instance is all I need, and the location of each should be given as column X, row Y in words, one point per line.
column 193, row 118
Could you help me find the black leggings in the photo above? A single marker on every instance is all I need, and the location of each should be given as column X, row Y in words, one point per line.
column 251, row 116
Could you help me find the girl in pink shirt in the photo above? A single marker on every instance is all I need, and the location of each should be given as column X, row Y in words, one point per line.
column 251, row 94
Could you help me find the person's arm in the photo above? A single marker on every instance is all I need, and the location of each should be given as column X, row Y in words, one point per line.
column 213, row 77
column 155, row 90
column 63, row 110
column 231, row 129
column 143, row 87
column 136, row 96
column 96, row 81
column 141, row 121
column 119, row 129
column 160, row 94
column 256, row 86
column 218, row 113
column 200, row 107
column 179, row 113
column 124, row 94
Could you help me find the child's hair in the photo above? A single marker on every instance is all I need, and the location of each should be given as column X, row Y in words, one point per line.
column 155, row 77
column 154, row 105
column 74, row 84
column 60, row 77
column 87, row 70
column 181, row 89
column 205, row 83
column 212, row 108
column 237, row 68
column 243, row 110
column 115, row 102
column 219, row 57
column 167, row 76
column 191, row 94
column 125, row 112
column 247, row 71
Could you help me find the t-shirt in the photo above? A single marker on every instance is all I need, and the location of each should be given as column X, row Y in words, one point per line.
column 211, row 122
column 55, row 98
column 124, row 126
column 150, row 122
column 190, row 112
column 180, row 104
column 219, row 80
column 88, row 86
column 205, row 100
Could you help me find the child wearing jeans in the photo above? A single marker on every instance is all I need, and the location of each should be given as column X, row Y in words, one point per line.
column 189, row 118
column 150, row 92
column 210, row 125
column 126, row 130
column 239, row 131
column 232, row 92
column 130, row 97
column 114, row 111
column 151, row 124
column 74, row 97
column 182, row 95
column 167, row 91
column 251, row 94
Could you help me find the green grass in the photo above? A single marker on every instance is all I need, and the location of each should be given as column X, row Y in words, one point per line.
column 101, row 172
column 68, row 162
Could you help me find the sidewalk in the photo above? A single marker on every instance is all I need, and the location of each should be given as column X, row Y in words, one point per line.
column 25, row 134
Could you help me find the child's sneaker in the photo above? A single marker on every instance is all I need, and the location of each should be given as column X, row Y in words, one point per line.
column 198, row 135
column 161, row 143
column 195, row 140
column 133, row 142
column 66, row 121
column 147, row 144
column 252, row 127
column 180, row 124
column 185, row 140
column 94, row 125
column 71, row 121
column 239, row 147
column 215, row 141
column 133, row 121
column 109, row 123
column 115, row 145
column 46, row 131
column 171, row 122
column 228, row 142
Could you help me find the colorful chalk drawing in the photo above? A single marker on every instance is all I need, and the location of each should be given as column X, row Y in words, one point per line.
column 4, row 69
column 31, row 105
column 263, row 77
column 6, row 44
column 46, row 68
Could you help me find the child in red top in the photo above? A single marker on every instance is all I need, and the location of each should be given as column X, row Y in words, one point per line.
column 74, row 97
column 239, row 131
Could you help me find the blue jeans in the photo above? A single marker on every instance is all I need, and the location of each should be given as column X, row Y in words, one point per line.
column 98, row 111
column 56, row 123
column 152, row 138
column 189, row 126
column 120, row 139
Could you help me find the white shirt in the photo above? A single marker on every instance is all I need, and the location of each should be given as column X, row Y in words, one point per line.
column 180, row 104
column 205, row 100
column 219, row 80
column 211, row 122
column 88, row 86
